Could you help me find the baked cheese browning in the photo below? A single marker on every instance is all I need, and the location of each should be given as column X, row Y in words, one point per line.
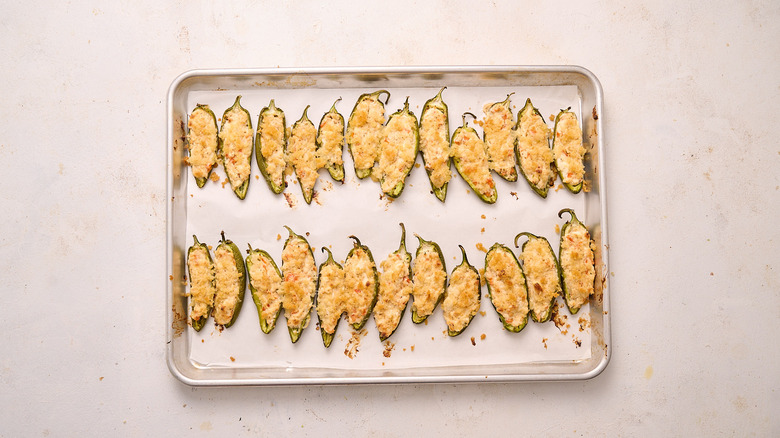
column 471, row 160
column 398, row 150
column 301, row 153
column 266, row 284
column 299, row 281
column 361, row 284
column 331, row 296
column 533, row 148
column 568, row 149
column 364, row 131
column 461, row 301
column 202, row 288
column 429, row 280
column 435, row 145
column 577, row 265
column 272, row 142
column 395, row 288
column 202, row 143
column 541, row 275
column 229, row 285
column 236, row 146
column 507, row 286
column 500, row 139
column 330, row 144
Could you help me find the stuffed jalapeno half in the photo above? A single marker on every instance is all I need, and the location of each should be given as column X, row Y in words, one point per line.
column 398, row 150
column 265, row 283
column 200, row 268
column 461, row 300
column 330, row 143
column 578, row 270
column 364, row 131
column 331, row 297
column 533, row 151
column 435, row 144
column 235, row 147
column 362, row 284
column 395, row 288
column 299, row 283
column 270, row 145
column 202, row 143
column 429, row 273
column 302, row 153
column 542, row 275
column 471, row 162
column 499, row 138
column 231, row 282
column 506, row 287
column 568, row 150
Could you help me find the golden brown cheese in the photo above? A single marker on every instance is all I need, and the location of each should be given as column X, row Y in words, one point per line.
column 429, row 279
column 272, row 135
column 541, row 275
column 267, row 284
column 236, row 135
column 202, row 142
column 577, row 264
column 331, row 141
column 507, row 286
column 469, row 150
column 499, row 138
column 364, row 131
column 299, row 281
column 360, row 284
column 331, row 296
column 202, row 288
column 395, row 288
column 568, row 149
column 302, row 152
column 398, row 150
column 435, row 146
column 462, row 299
column 533, row 147
column 228, row 285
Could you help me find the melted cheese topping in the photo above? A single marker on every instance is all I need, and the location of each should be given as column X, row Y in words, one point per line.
column 577, row 263
column 330, row 139
column 272, row 135
column 462, row 299
column 202, row 142
column 228, row 285
column 541, row 275
column 429, row 280
column 499, row 139
column 507, row 286
column 301, row 151
column 568, row 149
column 536, row 157
column 331, row 296
column 267, row 283
column 435, row 146
column 364, row 131
column 469, row 152
column 299, row 281
column 236, row 138
column 360, row 285
column 395, row 287
column 201, row 283
column 398, row 150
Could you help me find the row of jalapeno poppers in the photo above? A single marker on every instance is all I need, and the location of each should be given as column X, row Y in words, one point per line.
column 357, row 289
column 389, row 149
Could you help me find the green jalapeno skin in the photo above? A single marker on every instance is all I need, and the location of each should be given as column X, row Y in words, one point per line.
column 509, row 174
column 417, row 318
column 240, row 190
column 270, row 111
column 199, row 323
column 565, row 230
column 296, row 331
column 373, row 287
column 266, row 325
column 436, row 103
column 499, row 247
column 381, row 304
column 395, row 190
column 302, row 124
column 327, row 337
column 544, row 317
column 464, row 265
column 201, row 181
column 574, row 188
column 530, row 111
column 489, row 198
column 363, row 172
column 335, row 170
column 239, row 261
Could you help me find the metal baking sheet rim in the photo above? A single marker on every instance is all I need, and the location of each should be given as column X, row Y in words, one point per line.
column 605, row 332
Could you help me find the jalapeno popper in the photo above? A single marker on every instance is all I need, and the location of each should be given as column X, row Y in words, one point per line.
column 299, row 283
column 542, row 275
column 499, row 138
column 265, row 283
column 270, row 145
column 364, row 131
column 395, row 288
column 533, row 151
column 331, row 297
column 362, row 284
column 302, row 152
column 330, row 143
column 429, row 273
column 202, row 143
column 398, row 150
column 235, row 147
column 230, row 281
column 201, row 271
column 578, row 270
column 568, row 150
column 435, row 144
column 471, row 161
column 506, row 287
column 461, row 300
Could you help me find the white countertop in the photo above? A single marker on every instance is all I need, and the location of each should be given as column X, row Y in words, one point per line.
column 693, row 187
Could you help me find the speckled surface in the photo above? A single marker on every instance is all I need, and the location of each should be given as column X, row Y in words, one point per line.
column 692, row 166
